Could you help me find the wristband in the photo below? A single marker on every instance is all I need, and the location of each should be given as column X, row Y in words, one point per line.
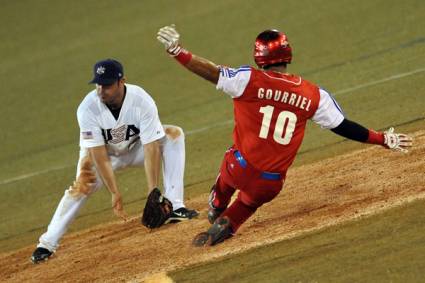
column 375, row 137
column 184, row 57
column 181, row 55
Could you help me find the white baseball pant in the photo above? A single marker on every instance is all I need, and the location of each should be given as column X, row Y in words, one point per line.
column 173, row 162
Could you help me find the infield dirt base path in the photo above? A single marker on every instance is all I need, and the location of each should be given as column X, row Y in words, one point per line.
column 315, row 196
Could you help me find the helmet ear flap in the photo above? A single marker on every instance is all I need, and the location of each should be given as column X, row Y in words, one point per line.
column 272, row 47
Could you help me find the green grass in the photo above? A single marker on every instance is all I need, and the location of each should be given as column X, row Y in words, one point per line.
column 388, row 247
column 48, row 49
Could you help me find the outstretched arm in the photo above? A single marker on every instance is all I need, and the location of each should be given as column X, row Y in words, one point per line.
column 198, row 65
column 389, row 139
column 329, row 115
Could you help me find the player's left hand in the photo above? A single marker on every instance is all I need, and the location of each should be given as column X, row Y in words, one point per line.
column 169, row 36
column 397, row 142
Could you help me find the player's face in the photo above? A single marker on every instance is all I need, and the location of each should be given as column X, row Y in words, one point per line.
column 111, row 94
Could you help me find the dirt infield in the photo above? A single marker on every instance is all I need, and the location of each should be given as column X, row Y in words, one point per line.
column 315, row 196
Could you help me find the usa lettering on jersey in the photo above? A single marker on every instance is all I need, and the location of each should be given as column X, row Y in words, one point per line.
column 138, row 122
column 120, row 134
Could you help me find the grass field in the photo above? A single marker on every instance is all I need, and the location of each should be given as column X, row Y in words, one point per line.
column 387, row 247
column 370, row 54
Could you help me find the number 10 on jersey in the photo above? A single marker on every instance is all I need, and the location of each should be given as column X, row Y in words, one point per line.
column 285, row 123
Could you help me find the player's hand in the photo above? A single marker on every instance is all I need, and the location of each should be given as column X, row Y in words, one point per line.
column 118, row 207
column 397, row 142
column 170, row 38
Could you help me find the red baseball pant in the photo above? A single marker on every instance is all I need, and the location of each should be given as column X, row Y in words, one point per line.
column 255, row 188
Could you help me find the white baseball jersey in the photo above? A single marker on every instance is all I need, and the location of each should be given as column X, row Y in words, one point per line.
column 234, row 82
column 138, row 120
column 138, row 123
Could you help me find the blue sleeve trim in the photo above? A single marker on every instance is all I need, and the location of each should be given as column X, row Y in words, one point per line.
column 231, row 72
column 334, row 101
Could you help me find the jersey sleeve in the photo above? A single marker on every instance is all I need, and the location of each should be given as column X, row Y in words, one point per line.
column 90, row 131
column 329, row 114
column 233, row 81
column 150, row 125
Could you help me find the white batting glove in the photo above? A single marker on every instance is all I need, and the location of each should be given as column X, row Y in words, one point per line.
column 170, row 38
column 397, row 142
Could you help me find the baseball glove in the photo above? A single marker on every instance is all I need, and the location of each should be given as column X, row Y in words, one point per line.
column 157, row 209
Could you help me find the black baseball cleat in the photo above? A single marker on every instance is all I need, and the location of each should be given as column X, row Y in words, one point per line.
column 40, row 254
column 214, row 213
column 219, row 231
column 182, row 214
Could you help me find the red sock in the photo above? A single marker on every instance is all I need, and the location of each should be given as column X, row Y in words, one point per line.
column 238, row 213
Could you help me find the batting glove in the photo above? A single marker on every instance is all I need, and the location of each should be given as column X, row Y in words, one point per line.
column 397, row 142
column 170, row 38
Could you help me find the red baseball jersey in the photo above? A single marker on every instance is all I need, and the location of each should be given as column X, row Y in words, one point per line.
column 271, row 111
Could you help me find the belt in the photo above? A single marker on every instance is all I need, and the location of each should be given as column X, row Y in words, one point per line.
column 264, row 175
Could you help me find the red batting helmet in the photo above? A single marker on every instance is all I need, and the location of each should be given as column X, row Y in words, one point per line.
column 272, row 47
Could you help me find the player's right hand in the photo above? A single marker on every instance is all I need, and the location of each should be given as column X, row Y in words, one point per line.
column 397, row 142
column 118, row 207
column 170, row 38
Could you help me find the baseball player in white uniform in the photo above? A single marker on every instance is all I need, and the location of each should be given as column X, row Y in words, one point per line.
column 120, row 127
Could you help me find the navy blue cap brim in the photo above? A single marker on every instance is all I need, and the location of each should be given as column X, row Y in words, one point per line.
column 101, row 81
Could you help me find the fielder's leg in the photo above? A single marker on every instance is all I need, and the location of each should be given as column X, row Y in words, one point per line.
column 173, row 157
column 173, row 162
column 65, row 213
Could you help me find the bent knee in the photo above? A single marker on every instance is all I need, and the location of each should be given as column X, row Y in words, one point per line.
column 76, row 191
column 173, row 132
column 256, row 200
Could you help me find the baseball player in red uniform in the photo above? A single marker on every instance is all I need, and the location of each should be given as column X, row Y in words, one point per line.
column 271, row 109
